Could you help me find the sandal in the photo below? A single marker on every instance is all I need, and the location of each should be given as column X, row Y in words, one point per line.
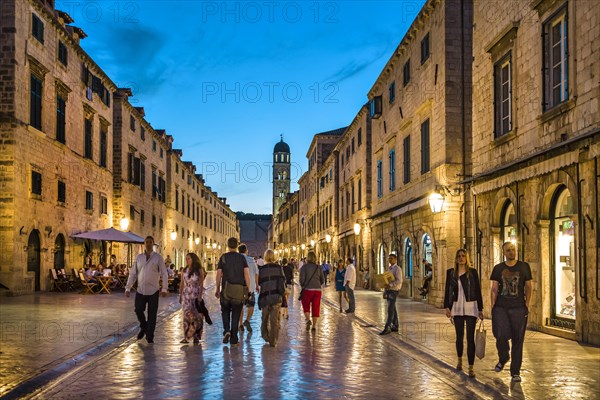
column 184, row 341
column 308, row 324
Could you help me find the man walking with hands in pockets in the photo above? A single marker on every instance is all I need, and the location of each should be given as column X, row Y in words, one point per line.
column 511, row 291
column 147, row 270
column 349, row 284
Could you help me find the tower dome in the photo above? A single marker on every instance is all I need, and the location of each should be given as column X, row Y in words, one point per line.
column 281, row 147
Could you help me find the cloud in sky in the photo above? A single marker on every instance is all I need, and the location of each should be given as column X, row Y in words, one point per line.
column 136, row 56
column 171, row 50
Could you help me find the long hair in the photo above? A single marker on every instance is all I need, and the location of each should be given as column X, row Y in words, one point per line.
column 196, row 267
column 467, row 264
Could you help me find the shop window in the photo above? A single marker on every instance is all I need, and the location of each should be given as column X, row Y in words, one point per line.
column 562, row 238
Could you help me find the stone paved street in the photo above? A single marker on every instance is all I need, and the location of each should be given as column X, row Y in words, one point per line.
column 340, row 360
column 553, row 368
column 40, row 331
column 345, row 358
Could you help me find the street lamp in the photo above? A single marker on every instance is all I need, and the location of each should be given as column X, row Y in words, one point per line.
column 197, row 241
column 124, row 223
column 173, row 235
column 357, row 229
column 312, row 242
column 328, row 238
column 303, row 246
column 436, row 202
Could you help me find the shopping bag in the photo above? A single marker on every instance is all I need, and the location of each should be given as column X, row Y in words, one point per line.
column 480, row 341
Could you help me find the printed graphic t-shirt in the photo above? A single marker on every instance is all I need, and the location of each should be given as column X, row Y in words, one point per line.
column 511, row 284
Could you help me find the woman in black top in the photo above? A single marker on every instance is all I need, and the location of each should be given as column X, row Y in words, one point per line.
column 464, row 304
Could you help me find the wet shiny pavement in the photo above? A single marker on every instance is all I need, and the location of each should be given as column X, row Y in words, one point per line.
column 42, row 331
column 340, row 360
column 553, row 368
column 345, row 358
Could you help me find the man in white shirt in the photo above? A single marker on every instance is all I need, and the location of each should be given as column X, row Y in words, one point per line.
column 391, row 294
column 147, row 270
column 253, row 272
column 349, row 284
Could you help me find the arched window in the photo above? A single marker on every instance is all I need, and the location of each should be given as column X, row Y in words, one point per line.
column 33, row 256
column 508, row 222
column 408, row 258
column 427, row 252
column 562, row 245
column 59, row 252
column 382, row 259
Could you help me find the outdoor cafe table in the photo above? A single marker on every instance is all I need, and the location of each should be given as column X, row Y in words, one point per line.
column 105, row 281
column 122, row 280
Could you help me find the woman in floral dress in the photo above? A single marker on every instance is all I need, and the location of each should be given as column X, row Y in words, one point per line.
column 190, row 291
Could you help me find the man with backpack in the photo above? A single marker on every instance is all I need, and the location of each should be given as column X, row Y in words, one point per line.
column 233, row 281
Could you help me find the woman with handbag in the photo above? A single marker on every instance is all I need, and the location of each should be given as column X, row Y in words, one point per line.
column 271, row 282
column 190, row 292
column 464, row 304
column 311, row 283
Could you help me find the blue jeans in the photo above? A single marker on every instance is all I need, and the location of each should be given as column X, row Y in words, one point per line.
column 392, row 313
column 351, row 302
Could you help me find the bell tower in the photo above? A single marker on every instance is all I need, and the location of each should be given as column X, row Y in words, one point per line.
column 281, row 174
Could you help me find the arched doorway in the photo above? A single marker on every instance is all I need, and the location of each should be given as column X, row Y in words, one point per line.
column 382, row 259
column 508, row 223
column 562, row 260
column 59, row 252
column 426, row 251
column 408, row 265
column 33, row 257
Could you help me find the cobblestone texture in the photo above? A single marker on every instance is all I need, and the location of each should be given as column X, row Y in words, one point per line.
column 345, row 358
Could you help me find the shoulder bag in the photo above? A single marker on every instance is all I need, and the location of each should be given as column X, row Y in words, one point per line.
column 302, row 285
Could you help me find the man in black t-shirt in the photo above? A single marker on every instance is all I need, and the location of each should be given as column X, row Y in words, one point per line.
column 510, row 299
column 232, row 268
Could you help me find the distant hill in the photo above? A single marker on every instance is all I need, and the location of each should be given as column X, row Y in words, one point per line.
column 242, row 216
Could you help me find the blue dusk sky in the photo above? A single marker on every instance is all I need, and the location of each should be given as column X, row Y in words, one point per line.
column 226, row 79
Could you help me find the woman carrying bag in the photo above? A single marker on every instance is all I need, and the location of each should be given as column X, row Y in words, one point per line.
column 190, row 294
column 311, row 282
column 464, row 304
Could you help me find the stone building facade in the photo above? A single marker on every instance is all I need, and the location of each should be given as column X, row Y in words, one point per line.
column 56, row 147
column 494, row 109
column 319, row 151
column 536, row 143
column 327, row 218
column 352, row 189
column 59, row 166
column 139, row 173
column 197, row 219
column 421, row 110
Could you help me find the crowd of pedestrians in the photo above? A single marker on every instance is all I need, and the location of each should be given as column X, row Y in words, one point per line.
column 243, row 281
